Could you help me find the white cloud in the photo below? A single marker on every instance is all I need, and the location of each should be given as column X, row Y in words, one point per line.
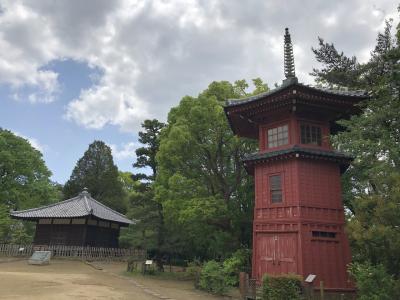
column 151, row 53
column 125, row 151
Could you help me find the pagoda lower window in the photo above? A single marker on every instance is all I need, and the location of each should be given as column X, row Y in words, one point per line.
column 275, row 188
column 278, row 136
column 311, row 134
column 324, row 234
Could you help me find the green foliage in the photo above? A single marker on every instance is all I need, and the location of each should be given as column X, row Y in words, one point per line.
column 149, row 232
column 371, row 185
column 97, row 172
column 239, row 262
column 5, row 224
column 374, row 135
column 146, row 156
column 24, row 183
column 212, row 278
column 13, row 231
column 374, row 230
column 193, row 270
column 374, row 283
column 261, row 87
column 143, row 208
column 282, row 287
column 24, row 177
column 129, row 184
column 19, row 234
column 201, row 182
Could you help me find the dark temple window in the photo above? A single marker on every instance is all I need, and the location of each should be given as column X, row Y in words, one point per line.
column 311, row 134
column 275, row 188
column 324, row 234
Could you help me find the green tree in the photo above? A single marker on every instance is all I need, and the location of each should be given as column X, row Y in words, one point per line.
column 206, row 194
column 129, row 185
column 97, row 172
column 24, row 183
column 374, row 229
column 5, row 224
column 24, row 177
column 146, row 156
column 149, row 232
column 372, row 136
column 261, row 87
column 374, row 283
column 371, row 190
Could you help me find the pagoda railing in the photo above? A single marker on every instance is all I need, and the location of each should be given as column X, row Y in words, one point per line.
column 74, row 252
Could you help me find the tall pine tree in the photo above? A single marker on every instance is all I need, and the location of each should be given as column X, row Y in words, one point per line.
column 97, row 172
column 149, row 232
column 371, row 185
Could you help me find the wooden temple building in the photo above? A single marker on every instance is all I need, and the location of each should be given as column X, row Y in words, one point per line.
column 299, row 218
column 79, row 221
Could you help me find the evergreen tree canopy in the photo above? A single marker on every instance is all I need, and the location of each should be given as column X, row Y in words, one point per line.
column 371, row 185
column 97, row 172
column 146, row 156
column 205, row 192
column 24, row 177
column 149, row 232
column 24, row 183
column 373, row 136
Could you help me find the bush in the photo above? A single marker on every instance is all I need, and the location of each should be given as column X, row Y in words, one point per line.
column 212, row 278
column 238, row 262
column 193, row 270
column 282, row 287
column 374, row 283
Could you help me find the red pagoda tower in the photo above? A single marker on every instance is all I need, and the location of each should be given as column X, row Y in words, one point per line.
column 298, row 216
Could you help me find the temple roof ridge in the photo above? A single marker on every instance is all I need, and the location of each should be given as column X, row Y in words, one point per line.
column 79, row 206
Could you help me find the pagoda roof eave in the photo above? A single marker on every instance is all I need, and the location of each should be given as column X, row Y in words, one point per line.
column 244, row 115
column 355, row 94
column 296, row 151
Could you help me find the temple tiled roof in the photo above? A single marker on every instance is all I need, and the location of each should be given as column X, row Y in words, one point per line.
column 348, row 93
column 81, row 206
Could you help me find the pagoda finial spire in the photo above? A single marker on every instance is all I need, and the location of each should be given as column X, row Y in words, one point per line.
column 288, row 57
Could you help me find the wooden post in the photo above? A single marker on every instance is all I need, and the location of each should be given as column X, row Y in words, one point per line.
column 243, row 284
column 321, row 289
column 309, row 290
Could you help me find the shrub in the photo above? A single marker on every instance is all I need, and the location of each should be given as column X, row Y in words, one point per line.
column 193, row 270
column 238, row 262
column 281, row 287
column 374, row 283
column 212, row 278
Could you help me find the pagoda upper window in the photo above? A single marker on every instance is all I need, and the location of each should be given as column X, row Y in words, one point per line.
column 311, row 134
column 275, row 188
column 278, row 136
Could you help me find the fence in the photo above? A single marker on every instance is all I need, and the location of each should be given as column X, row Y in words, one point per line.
column 249, row 289
column 74, row 252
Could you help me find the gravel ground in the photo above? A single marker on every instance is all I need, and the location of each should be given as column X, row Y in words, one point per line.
column 64, row 279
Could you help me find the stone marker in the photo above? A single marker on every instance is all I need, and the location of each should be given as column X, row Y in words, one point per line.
column 40, row 258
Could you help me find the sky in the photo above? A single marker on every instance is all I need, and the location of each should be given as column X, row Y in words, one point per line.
column 73, row 71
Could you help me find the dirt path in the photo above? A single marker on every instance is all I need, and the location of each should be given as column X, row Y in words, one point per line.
column 75, row 280
column 63, row 280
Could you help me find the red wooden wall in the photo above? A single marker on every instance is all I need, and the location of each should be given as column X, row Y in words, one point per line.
column 283, row 239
